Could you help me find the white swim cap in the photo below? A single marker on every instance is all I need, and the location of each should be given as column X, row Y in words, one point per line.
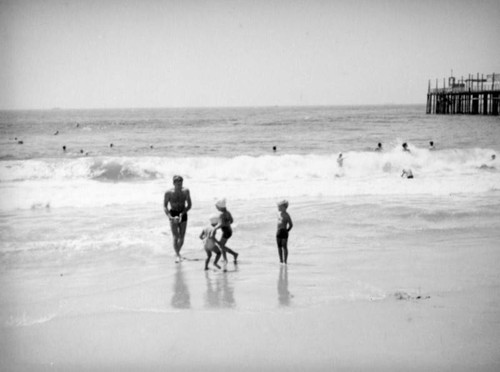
column 214, row 219
column 221, row 203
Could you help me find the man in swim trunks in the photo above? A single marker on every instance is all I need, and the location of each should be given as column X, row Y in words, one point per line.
column 179, row 199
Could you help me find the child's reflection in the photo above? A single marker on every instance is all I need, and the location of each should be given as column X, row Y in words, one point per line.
column 284, row 295
column 220, row 292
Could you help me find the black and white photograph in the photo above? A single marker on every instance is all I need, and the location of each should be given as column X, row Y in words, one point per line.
column 249, row 186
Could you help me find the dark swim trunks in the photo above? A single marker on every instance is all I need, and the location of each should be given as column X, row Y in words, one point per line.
column 282, row 234
column 178, row 213
column 227, row 232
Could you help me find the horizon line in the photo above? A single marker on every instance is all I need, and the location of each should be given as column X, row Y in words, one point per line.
column 206, row 107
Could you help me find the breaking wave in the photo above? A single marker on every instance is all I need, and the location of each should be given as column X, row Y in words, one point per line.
column 240, row 168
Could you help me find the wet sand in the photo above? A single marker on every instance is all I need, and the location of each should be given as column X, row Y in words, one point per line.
column 443, row 332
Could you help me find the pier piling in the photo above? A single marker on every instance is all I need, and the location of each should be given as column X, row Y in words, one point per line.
column 473, row 96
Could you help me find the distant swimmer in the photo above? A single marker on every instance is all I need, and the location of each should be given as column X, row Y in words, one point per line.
column 150, row 146
column 274, row 148
column 490, row 164
column 78, row 125
column 20, row 142
column 431, row 146
column 407, row 173
column 110, row 145
column 340, row 160
column 64, row 148
column 405, row 147
column 379, row 147
column 56, row 133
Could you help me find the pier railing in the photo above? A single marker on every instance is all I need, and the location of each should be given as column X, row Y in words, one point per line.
column 482, row 88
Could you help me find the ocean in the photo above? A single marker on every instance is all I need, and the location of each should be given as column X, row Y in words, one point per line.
column 82, row 230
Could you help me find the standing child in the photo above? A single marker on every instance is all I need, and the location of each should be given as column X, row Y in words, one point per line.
column 284, row 226
column 225, row 221
column 210, row 243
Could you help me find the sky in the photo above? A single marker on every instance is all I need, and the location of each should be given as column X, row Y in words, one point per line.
column 188, row 53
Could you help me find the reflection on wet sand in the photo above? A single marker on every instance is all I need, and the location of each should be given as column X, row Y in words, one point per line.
column 220, row 292
column 180, row 298
column 284, row 295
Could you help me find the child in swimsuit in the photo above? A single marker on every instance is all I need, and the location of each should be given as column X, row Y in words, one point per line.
column 210, row 243
column 284, row 226
column 225, row 221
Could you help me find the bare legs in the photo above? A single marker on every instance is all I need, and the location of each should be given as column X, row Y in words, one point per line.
column 227, row 250
column 178, row 233
column 217, row 257
column 282, row 249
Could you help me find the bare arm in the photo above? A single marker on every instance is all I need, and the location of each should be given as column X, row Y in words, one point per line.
column 219, row 224
column 166, row 200
column 188, row 201
column 289, row 221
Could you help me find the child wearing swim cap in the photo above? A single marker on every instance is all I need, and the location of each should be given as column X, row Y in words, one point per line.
column 285, row 224
column 210, row 243
column 225, row 221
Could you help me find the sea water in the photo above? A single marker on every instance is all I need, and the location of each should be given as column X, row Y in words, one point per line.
column 83, row 231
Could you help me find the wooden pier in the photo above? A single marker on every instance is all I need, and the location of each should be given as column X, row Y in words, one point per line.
column 472, row 96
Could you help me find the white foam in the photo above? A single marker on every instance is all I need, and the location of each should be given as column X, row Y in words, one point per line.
column 96, row 182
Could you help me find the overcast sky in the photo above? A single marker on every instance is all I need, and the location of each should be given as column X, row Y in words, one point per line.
column 152, row 53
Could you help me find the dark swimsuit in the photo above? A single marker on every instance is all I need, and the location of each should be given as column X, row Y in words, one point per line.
column 178, row 213
column 282, row 234
column 227, row 232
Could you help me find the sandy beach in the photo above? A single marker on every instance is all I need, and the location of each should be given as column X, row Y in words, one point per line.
column 261, row 318
column 442, row 333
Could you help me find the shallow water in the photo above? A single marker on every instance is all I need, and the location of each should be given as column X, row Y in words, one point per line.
column 88, row 235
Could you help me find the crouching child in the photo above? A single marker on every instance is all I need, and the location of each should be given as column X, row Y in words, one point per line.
column 210, row 243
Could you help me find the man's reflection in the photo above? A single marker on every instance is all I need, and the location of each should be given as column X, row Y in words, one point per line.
column 180, row 298
column 284, row 295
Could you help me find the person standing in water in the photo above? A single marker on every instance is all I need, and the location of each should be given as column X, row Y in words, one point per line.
column 340, row 161
column 284, row 226
column 176, row 204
